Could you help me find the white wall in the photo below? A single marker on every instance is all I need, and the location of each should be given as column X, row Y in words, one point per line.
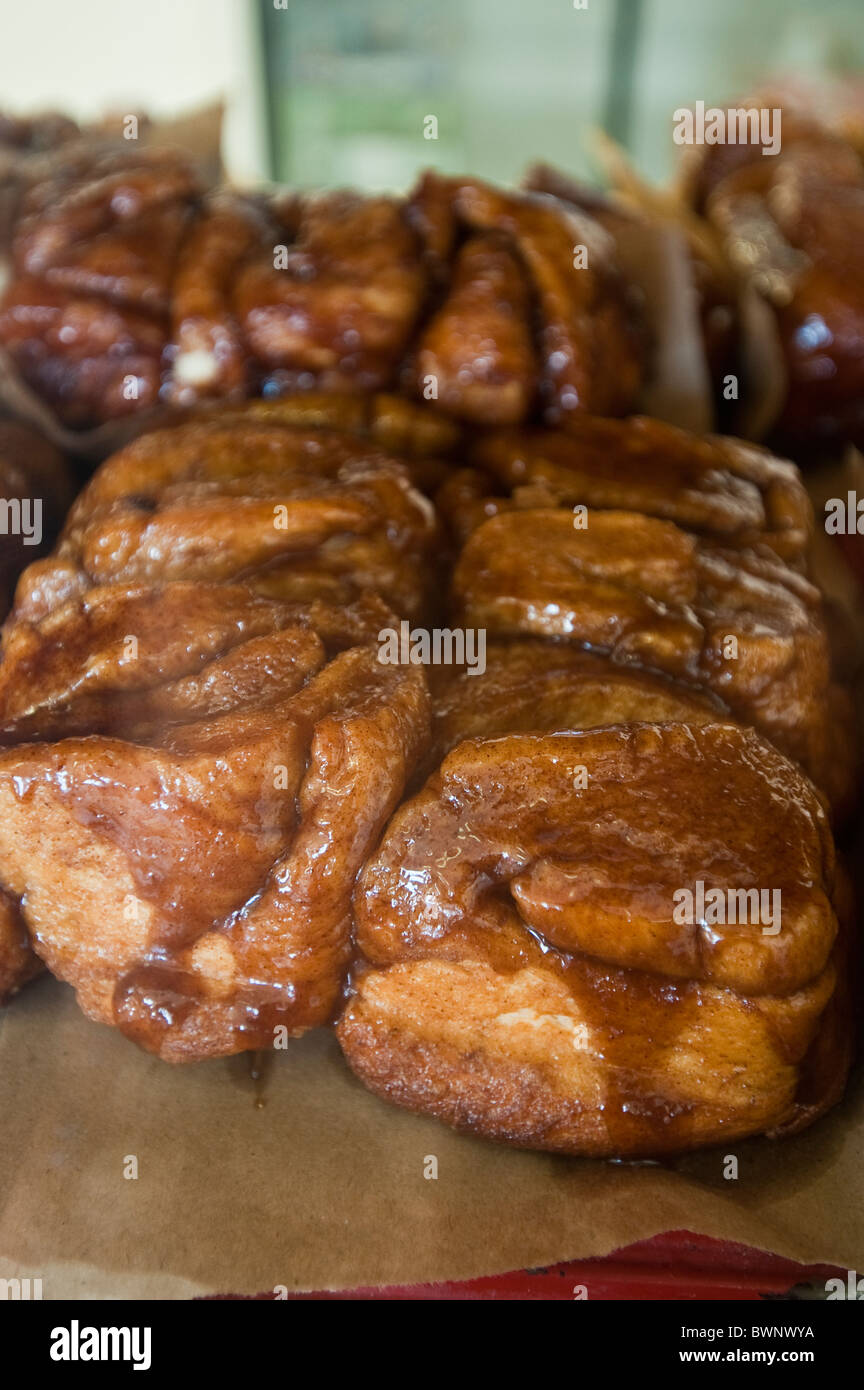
column 166, row 56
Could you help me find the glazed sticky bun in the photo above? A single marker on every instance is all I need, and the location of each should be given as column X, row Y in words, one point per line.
column 528, row 969
column 577, row 894
column 132, row 287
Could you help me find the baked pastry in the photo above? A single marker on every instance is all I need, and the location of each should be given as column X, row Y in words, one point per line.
column 338, row 314
column 528, row 685
column 477, row 351
column 525, row 971
column 740, row 624
column 792, row 224
column 294, row 514
column 127, row 659
column 201, row 748
column 713, row 289
column 114, row 234
column 130, row 288
column 208, row 356
column 719, row 488
column 85, row 313
column 216, row 594
column 422, row 438
column 190, row 874
column 523, row 250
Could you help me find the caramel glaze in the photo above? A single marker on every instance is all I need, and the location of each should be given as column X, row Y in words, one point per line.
column 479, row 347
column 531, row 685
column 202, row 905
column 252, row 441
column 200, row 650
column 123, row 268
column 87, row 306
column 720, row 488
column 398, row 426
column 339, row 314
column 794, row 224
column 651, row 595
column 523, row 976
column 590, row 346
column 210, row 576
column 65, row 219
column 714, row 284
column 202, row 502
column 209, row 358
column 77, row 353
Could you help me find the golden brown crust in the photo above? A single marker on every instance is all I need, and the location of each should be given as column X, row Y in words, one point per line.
column 741, row 625
column 196, row 890
column 721, row 488
column 526, row 978
column 299, row 515
column 535, row 1078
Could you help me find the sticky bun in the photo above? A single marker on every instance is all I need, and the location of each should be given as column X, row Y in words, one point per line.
column 525, row 972
column 131, row 287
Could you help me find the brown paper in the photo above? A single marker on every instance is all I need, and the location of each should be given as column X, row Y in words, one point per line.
column 324, row 1187
column 764, row 384
column 198, row 133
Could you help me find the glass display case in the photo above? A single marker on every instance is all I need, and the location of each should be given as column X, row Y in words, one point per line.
column 367, row 94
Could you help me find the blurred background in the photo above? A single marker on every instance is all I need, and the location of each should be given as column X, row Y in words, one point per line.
column 327, row 92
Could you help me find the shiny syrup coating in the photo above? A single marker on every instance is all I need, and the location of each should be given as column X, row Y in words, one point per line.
column 211, row 748
column 530, row 686
column 478, row 347
column 339, row 313
column 124, row 268
column 793, row 223
column 649, row 594
column 206, row 894
column 260, row 504
column 526, row 978
column 720, row 488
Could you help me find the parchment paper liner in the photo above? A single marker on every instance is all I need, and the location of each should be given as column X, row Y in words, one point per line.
column 324, row 1188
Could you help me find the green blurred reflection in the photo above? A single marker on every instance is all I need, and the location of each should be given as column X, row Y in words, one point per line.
column 351, row 82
